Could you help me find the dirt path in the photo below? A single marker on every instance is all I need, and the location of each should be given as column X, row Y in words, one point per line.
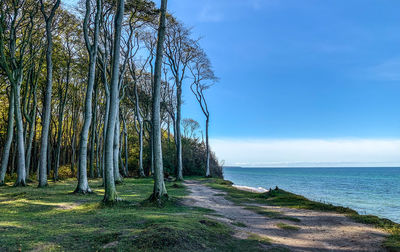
column 318, row 231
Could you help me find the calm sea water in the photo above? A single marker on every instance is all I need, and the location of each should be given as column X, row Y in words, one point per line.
column 368, row 190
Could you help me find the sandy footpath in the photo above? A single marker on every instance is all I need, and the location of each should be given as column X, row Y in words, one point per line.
column 319, row 231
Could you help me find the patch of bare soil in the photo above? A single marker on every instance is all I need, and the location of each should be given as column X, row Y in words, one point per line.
column 316, row 231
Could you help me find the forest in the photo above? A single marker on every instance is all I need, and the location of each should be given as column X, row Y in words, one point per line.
column 96, row 92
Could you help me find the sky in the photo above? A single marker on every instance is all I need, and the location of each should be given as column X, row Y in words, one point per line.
column 302, row 83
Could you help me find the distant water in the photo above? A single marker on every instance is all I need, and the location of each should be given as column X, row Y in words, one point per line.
column 373, row 191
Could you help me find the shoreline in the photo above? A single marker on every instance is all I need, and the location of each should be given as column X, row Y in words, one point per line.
column 281, row 198
column 261, row 190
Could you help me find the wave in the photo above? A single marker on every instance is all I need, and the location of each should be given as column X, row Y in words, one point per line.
column 251, row 189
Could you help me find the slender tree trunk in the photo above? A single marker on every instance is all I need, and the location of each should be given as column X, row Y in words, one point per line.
column 179, row 172
column 47, row 98
column 125, row 131
column 93, row 134
column 140, row 121
column 83, row 185
column 208, row 174
column 21, row 172
column 159, row 191
column 117, row 175
column 98, row 155
column 10, row 133
column 32, row 132
column 105, row 127
column 110, row 194
column 59, row 139
column 141, row 170
column 151, row 151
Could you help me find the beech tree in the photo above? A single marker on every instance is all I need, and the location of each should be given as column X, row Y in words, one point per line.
column 159, row 191
column 48, row 17
column 203, row 78
column 16, row 28
column 116, row 96
column 83, row 185
column 110, row 194
column 180, row 52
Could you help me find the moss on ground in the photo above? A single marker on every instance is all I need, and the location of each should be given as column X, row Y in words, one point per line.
column 54, row 219
column 282, row 198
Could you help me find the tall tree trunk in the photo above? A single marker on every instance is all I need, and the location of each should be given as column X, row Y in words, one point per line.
column 208, row 173
column 110, row 193
column 48, row 94
column 159, row 191
column 125, row 133
column 10, row 133
column 21, row 172
column 179, row 171
column 59, row 139
column 105, row 127
column 92, row 147
column 32, row 132
column 83, row 185
column 140, row 121
column 117, row 134
column 141, row 170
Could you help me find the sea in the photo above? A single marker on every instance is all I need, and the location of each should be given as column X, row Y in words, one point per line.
column 367, row 190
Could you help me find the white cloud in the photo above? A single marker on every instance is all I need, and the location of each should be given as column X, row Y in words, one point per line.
column 308, row 152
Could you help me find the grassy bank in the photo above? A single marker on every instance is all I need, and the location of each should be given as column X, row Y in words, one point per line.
column 53, row 219
column 278, row 197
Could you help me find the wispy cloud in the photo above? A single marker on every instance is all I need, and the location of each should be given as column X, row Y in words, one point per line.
column 308, row 152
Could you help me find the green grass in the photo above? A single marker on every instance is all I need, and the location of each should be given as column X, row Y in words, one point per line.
column 53, row 219
column 287, row 226
column 282, row 198
column 239, row 224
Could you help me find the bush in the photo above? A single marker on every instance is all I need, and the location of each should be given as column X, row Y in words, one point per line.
column 64, row 172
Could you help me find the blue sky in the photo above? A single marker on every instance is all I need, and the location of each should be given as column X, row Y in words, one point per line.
column 311, row 70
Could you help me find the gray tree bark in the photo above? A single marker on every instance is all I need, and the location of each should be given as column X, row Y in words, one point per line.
column 116, row 150
column 48, row 94
column 83, row 185
column 110, row 193
column 10, row 132
column 179, row 172
column 159, row 190
column 21, row 172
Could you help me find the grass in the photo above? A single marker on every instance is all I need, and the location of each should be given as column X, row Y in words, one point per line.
column 282, row 198
column 285, row 226
column 53, row 219
column 239, row 224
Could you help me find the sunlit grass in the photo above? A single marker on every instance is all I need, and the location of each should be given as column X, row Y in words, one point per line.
column 54, row 219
